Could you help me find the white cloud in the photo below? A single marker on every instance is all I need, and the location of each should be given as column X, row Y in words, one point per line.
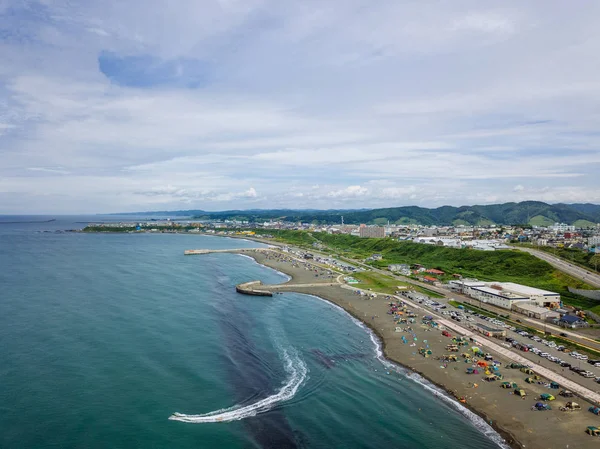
column 309, row 104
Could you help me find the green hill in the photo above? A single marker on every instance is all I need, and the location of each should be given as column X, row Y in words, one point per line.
column 533, row 212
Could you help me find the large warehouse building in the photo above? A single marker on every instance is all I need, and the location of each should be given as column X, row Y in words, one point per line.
column 506, row 294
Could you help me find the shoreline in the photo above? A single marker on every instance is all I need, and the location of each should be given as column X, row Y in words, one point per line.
column 448, row 395
column 449, row 388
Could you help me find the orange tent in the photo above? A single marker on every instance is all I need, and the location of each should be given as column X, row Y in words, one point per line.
column 482, row 364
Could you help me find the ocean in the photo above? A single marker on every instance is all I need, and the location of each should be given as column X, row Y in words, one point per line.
column 118, row 340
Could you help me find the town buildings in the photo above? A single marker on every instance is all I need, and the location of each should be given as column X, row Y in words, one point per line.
column 371, row 231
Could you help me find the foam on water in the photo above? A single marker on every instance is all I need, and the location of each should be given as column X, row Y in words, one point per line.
column 297, row 372
column 477, row 420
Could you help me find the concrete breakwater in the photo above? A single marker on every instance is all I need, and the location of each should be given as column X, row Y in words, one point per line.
column 191, row 252
column 248, row 288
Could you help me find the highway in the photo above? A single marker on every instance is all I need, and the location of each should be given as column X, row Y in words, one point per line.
column 587, row 276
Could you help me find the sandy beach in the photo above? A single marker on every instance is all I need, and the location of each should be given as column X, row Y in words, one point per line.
column 509, row 415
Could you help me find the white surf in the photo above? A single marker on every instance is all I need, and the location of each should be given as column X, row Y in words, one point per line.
column 297, row 372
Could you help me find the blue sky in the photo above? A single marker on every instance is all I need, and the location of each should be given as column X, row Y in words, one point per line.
column 126, row 106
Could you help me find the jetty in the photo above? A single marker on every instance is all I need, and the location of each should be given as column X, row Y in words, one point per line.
column 192, row 252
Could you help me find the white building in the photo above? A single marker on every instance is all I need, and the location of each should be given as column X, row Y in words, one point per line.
column 439, row 241
column 496, row 297
column 486, row 245
column 505, row 294
column 542, row 298
column 594, row 240
column 562, row 227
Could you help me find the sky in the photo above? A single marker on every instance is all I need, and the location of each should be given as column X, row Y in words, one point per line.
column 139, row 105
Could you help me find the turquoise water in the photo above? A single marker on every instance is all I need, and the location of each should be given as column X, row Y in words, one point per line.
column 104, row 337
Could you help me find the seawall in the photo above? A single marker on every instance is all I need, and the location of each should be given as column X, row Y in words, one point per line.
column 248, row 289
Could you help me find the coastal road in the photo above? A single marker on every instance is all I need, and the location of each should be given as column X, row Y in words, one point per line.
column 576, row 271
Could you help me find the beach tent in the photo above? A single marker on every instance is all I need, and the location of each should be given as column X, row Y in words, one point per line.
column 547, row 397
column 571, row 406
column 530, row 380
column 554, row 385
column 542, row 406
column 527, row 370
column 482, row 364
column 516, row 365
column 520, row 392
column 566, row 394
column 594, row 431
column 594, row 410
column 506, row 385
column 491, row 378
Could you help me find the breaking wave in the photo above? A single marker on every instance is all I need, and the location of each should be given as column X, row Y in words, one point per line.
column 297, row 372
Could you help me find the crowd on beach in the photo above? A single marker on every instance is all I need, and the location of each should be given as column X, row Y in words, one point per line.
column 478, row 362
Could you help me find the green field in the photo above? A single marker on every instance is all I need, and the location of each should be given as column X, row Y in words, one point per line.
column 386, row 284
column 376, row 282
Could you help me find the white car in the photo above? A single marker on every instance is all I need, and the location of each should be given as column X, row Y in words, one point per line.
column 582, row 357
column 544, row 354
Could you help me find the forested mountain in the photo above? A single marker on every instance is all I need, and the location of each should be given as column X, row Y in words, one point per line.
column 532, row 212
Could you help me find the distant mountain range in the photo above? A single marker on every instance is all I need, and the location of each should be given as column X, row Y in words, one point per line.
column 528, row 212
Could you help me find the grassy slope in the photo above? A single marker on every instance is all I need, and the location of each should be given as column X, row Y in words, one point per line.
column 540, row 220
column 506, row 266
